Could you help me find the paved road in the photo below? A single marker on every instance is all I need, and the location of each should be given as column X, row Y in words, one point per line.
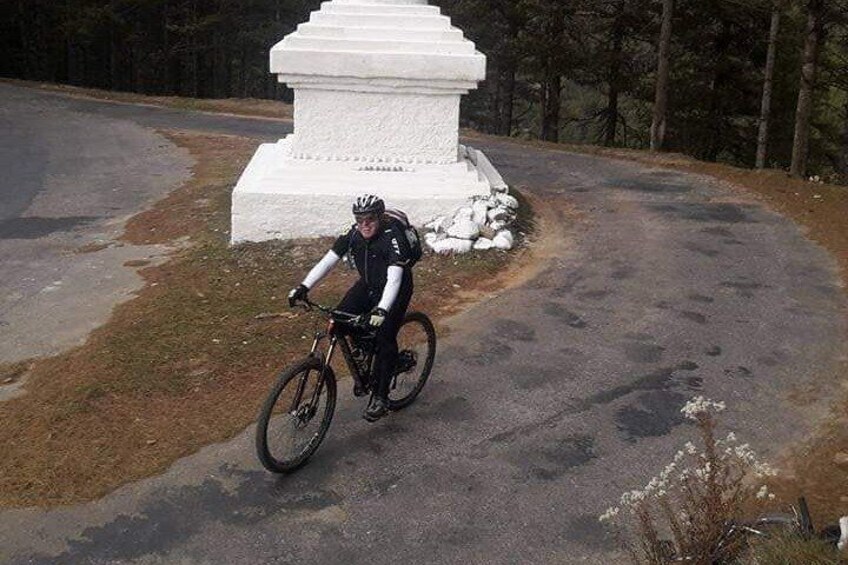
column 546, row 403
column 73, row 171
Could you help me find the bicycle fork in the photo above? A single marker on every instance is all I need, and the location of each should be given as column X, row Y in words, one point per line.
column 319, row 388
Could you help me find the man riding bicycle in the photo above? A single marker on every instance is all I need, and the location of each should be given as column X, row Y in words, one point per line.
column 381, row 254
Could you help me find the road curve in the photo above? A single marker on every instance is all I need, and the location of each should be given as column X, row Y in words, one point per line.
column 546, row 403
column 70, row 180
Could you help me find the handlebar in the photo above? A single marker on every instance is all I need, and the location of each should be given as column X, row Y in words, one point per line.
column 355, row 320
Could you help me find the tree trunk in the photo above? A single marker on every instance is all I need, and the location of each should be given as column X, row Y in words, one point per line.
column 507, row 101
column 611, row 121
column 765, row 110
column 801, row 143
column 842, row 161
column 718, row 111
column 658, row 125
column 195, row 52
column 113, row 48
column 493, row 87
column 551, row 106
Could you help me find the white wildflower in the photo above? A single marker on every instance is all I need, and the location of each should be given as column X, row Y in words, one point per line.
column 700, row 405
column 609, row 514
column 764, row 470
column 704, row 472
column 763, row 492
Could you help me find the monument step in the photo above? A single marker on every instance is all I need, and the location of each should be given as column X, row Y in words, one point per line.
column 336, row 31
column 423, row 9
column 437, row 22
column 463, row 70
column 379, row 45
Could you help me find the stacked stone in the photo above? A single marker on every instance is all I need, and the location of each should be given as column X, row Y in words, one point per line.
column 482, row 225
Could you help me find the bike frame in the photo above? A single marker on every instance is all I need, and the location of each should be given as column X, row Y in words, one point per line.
column 334, row 340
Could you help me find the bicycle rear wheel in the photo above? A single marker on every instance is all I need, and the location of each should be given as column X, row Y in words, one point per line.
column 416, row 352
column 295, row 417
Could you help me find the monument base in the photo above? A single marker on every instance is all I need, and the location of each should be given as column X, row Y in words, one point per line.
column 281, row 197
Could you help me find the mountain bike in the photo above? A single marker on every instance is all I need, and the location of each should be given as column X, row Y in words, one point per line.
column 299, row 409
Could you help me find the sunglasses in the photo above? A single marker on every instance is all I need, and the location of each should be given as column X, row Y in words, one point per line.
column 367, row 219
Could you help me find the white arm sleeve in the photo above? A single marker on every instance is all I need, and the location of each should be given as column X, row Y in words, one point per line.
column 320, row 270
column 394, row 277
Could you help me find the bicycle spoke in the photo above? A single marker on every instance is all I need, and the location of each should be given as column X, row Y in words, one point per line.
column 295, row 417
column 416, row 343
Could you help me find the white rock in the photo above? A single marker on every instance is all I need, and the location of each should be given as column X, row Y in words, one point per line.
column 438, row 224
column 508, row 201
column 452, row 245
column 480, row 208
column 463, row 229
column 504, row 240
column 497, row 226
column 430, row 238
column 464, row 213
column 483, row 244
column 500, row 214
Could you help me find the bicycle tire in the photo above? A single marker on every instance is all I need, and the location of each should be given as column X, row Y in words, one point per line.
column 266, row 446
column 420, row 320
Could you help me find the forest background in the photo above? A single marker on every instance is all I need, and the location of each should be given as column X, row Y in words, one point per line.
column 571, row 71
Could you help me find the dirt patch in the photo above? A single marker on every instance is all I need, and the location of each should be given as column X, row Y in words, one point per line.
column 189, row 361
column 90, row 248
column 248, row 107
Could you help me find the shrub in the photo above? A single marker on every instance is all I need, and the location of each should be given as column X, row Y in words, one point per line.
column 685, row 511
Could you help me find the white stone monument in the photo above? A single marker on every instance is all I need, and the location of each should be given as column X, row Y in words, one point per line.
column 377, row 88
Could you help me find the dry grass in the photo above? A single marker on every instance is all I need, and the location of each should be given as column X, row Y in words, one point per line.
column 188, row 361
column 12, row 372
column 237, row 106
column 792, row 550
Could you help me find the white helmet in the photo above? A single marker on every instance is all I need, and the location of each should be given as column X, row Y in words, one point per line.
column 369, row 204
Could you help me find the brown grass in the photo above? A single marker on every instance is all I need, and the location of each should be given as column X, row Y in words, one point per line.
column 188, row 361
column 250, row 107
column 793, row 550
column 12, row 372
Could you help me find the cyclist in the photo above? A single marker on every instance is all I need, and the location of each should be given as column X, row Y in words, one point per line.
column 380, row 252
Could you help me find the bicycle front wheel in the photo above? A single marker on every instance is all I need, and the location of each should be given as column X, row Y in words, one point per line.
column 416, row 352
column 296, row 416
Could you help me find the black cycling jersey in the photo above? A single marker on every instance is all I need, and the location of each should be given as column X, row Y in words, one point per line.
column 374, row 257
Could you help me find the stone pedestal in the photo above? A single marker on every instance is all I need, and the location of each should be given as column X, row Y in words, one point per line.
column 377, row 90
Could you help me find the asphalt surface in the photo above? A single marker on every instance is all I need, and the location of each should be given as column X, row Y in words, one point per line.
column 70, row 180
column 73, row 171
column 546, row 402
